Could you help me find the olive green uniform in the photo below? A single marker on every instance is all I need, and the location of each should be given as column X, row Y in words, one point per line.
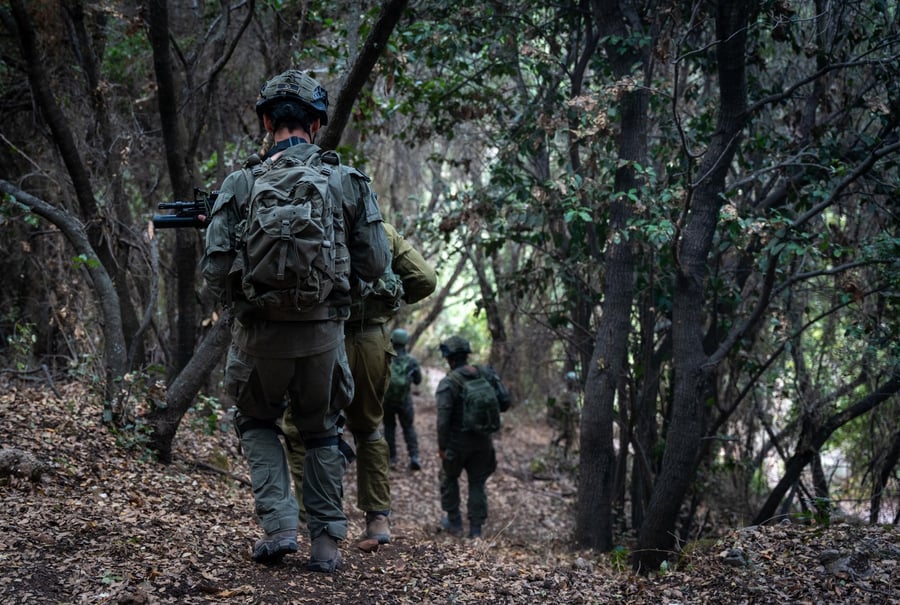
column 464, row 450
column 369, row 351
column 295, row 362
column 562, row 416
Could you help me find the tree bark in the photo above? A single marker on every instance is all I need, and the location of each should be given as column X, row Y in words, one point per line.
column 887, row 469
column 694, row 378
column 373, row 48
column 181, row 177
column 593, row 522
column 181, row 393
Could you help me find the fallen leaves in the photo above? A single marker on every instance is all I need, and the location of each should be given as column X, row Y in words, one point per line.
column 108, row 525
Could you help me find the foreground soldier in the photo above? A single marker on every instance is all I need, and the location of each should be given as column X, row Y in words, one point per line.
column 464, row 447
column 293, row 354
column 409, row 279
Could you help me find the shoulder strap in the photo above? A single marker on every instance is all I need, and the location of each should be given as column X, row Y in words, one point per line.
column 457, row 377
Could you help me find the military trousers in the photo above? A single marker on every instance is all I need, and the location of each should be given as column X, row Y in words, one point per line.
column 475, row 455
column 405, row 413
column 368, row 354
column 315, row 388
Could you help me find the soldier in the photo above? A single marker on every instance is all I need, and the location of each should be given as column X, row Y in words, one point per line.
column 398, row 403
column 469, row 401
column 284, row 356
column 563, row 413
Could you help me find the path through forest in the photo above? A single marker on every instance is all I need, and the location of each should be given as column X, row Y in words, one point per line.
column 107, row 524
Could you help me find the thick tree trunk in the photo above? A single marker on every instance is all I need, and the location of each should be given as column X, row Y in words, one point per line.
column 694, row 379
column 175, row 139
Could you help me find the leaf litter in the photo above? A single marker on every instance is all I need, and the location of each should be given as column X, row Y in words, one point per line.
column 105, row 523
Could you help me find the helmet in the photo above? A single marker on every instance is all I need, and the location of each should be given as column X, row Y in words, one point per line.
column 454, row 345
column 399, row 336
column 294, row 85
column 571, row 376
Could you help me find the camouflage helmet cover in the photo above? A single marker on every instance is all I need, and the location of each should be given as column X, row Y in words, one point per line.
column 454, row 345
column 294, row 85
column 399, row 336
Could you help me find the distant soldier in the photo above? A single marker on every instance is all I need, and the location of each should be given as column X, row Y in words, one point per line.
column 563, row 412
column 398, row 403
column 469, row 402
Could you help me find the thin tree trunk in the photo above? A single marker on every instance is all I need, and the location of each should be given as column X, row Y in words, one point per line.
column 887, row 469
column 795, row 465
column 115, row 356
column 598, row 463
column 181, row 393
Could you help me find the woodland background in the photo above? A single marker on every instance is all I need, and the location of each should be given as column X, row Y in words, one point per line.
column 691, row 204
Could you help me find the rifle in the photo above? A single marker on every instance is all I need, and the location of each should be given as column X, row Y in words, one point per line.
column 186, row 213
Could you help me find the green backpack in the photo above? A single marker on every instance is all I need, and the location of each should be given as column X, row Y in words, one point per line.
column 401, row 383
column 292, row 247
column 481, row 407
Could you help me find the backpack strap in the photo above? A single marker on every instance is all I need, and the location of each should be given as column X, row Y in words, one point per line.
column 456, row 376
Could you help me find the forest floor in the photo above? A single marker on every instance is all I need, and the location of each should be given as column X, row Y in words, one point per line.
column 108, row 524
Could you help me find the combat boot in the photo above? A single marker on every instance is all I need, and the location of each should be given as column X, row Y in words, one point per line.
column 378, row 527
column 324, row 555
column 414, row 464
column 452, row 525
column 475, row 530
column 271, row 548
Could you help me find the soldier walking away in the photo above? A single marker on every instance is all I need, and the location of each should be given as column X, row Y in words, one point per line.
column 409, row 279
column 398, row 402
column 288, row 311
column 469, row 401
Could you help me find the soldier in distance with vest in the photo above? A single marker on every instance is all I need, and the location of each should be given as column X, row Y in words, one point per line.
column 398, row 403
column 289, row 295
column 563, row 413
column 470, row 399
column 409, row 279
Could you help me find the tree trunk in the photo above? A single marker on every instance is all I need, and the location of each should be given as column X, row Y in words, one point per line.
column 887, row 469
column 181, row 393
column 114, row 351
column 694, row 381
column 175, row 139
column 593, row 520
column 373, row 48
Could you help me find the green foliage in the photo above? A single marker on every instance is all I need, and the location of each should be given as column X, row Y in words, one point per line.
column 209, row 415
column 21, row 344
column 819, row 512
column 82, row 261
column 620, row 558
column 127, row 47
column 11, row 207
